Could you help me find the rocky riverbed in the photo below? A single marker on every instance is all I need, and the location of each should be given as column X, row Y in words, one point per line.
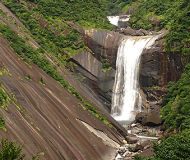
column 141, row 132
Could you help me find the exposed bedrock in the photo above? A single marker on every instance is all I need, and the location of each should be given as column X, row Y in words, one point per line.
column 89, row 72
column 157, row 68
column 104, row 44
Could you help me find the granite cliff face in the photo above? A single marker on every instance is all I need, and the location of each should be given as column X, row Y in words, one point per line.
column 48, row 118
column 157, row 67
column 102, row 45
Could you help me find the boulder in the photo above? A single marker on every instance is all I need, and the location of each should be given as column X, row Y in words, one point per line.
column 132, row 139
column 146, row 144
column 140, row 116
column 43, row 23
column 145, row 32
column 138, row 33
column 137, row 148
column 66, row 31
column 129, row 31
column 147, row 153
column 152, row 120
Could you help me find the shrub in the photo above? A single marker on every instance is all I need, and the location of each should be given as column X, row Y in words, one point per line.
column 9, row 151
column 176, row 147
column 2, row 123
column 28, row 76
column 42, row 81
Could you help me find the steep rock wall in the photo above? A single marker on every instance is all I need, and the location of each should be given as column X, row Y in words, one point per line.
column 102, row 45
column 157, row 68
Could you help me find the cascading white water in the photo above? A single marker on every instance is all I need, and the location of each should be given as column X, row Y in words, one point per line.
column 126, row 97
column 113, row 20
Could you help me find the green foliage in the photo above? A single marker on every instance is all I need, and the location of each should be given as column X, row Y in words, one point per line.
column 176, row 111
column 106, row 65
column 173, row 15
column 53, row 43
column 9, row 151
column 3, row 98
column 116, row 6
column 41, row 81
column 28, row 76
column 86, row 13
column 2, row 123
column 176, row 147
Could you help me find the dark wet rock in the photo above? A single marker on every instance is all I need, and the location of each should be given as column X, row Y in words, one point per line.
column 157, row 68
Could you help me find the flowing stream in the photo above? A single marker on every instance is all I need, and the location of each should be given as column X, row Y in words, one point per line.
column 126, row 98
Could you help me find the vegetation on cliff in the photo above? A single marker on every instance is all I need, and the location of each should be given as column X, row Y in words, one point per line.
column 10, row 151
column 117, row 6
column 25, row 51
column 172, row 15
column 175, row 16
column 88, row 13
column 175, row 147
column 53, row 35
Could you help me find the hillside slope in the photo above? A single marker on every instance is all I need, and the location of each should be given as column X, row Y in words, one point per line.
column 48, row 118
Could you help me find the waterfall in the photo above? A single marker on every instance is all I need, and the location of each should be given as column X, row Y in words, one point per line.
column 126, row 97
column 113, row 20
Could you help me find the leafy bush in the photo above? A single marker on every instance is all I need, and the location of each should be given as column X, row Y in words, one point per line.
column 106, row 65
column 176, row 111
column 55, row 44
column 42, row 81
column 173, row 15
column 28, row 76
column 116, row 6
column 75, row 11
column 2, row 123
column 176, row 147
column 9, row 151
column 3, row 98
